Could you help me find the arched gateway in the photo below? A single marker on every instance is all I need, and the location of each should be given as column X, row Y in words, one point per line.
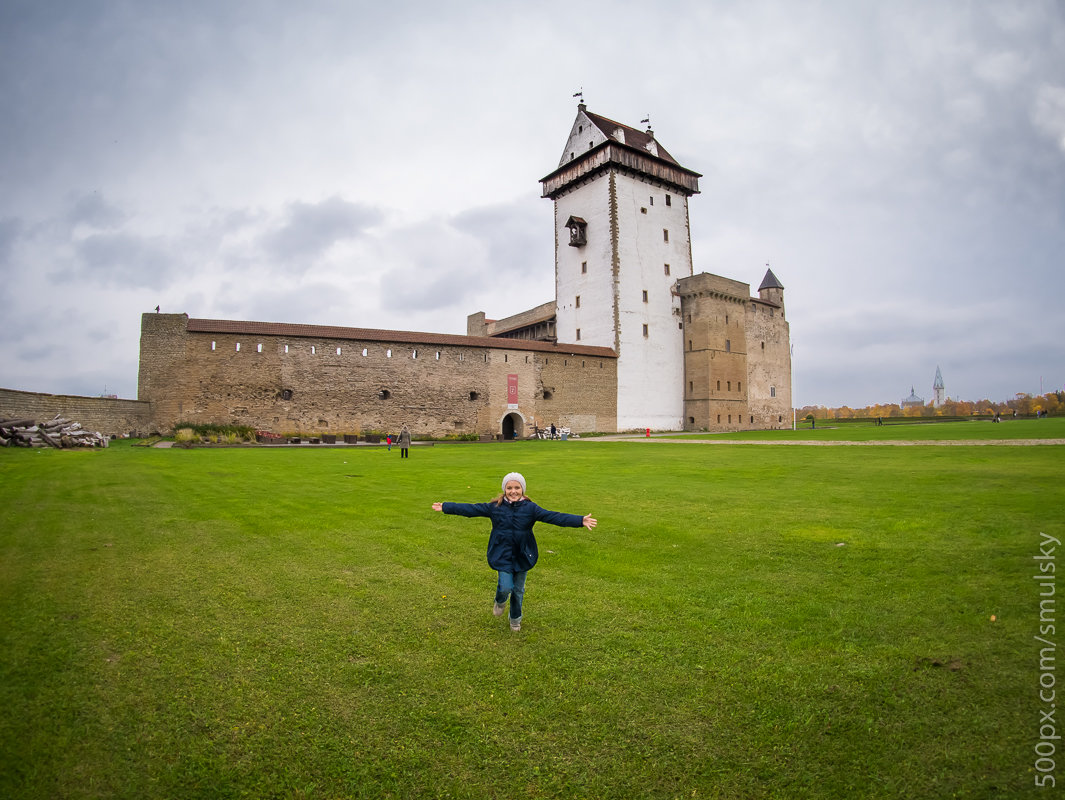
column 513, row 426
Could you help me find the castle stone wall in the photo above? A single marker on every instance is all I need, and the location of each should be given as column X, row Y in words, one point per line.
column 331, row 384
column 107, row 415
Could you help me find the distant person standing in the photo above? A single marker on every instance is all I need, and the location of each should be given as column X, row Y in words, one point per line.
column 404, row 442
column 389, row 440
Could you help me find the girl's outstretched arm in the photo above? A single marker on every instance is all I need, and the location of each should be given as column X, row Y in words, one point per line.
column 590, row 521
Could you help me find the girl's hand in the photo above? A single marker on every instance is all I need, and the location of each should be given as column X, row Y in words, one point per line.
column 438, row 506
column 589, row 521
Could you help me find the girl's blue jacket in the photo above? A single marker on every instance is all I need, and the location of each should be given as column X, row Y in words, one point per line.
column 511, row 545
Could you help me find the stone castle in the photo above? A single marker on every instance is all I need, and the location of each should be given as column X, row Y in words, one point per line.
column 634, row 338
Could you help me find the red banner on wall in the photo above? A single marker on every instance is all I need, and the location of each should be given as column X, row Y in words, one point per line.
column 512, row 391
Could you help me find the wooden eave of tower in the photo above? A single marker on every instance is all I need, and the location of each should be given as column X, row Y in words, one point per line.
column 625, row 158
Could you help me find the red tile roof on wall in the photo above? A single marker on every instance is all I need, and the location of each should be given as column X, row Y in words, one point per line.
column 378, row 335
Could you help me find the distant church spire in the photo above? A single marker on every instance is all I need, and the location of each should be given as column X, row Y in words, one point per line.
column 938, row 390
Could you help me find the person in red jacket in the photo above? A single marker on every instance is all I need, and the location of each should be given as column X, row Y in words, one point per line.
column 512, row 550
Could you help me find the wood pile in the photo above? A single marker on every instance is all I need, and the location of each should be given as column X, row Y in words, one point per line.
column 58, row 432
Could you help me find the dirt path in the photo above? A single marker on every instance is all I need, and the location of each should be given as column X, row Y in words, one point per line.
column 838, row 443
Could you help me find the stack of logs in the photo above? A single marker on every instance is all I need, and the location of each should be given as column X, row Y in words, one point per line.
column 58, row 432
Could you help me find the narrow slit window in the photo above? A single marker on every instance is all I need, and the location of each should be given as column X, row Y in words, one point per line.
column 577, row 302
column 645, row 295
column 578, row 334
column 338, row 351
column 238, row 347
column 388, row 353
column 258, row 348
column 665, row 234
column 312, row 350
column 667, row 268
column 645, row 332
column 213, row 345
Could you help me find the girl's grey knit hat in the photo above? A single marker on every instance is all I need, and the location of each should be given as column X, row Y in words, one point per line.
column 514, row 476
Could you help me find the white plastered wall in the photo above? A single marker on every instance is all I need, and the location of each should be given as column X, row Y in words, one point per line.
column 612, row 313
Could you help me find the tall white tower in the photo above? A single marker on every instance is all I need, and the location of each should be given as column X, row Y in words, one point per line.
column 621, row 242
column 938, row 390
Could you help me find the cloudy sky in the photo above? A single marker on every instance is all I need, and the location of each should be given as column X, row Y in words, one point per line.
column 900, row 165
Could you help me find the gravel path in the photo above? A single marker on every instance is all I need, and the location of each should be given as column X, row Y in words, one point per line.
column 838, row 443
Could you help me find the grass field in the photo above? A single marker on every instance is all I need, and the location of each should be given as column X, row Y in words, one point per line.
column 746, row 622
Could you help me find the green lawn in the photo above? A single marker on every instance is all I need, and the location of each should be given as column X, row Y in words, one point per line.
column 745, row 622
column 902, row 430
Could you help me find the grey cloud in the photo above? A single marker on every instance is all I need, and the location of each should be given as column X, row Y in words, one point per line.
column 309, row 229
column 518, row 239
column 126, row 260
column 10, row 230
column 93, row 210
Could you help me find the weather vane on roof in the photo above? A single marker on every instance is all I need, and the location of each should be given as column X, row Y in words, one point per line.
column 646, row 121
column 580, row 94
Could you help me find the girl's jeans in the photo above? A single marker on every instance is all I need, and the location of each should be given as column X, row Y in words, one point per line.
column 511, row 584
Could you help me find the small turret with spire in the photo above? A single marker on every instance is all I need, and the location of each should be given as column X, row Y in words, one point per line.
column 771, row 290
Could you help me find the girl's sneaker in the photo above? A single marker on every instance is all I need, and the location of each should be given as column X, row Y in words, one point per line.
column 515, row 624
column 497, row 609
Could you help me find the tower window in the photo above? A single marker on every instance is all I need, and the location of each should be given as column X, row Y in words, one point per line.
column 584, row 267
column 473, row 395
column 437, row 355
column 578, row 231
column 772, row 391
column 645, row 329
column 338, row 351
column 719, row 389
column 669, row 200
column 645, row 295
column 577, row 302
column 643, row 209
column 728, row 345
column 739, row 386
column 578, row 334
column 652, row 200
column 258, row 348
column 667, row 269
column 213, row 344
column 728, row 386
column 388, row 353
column 364, row 351
column 384, row 394
column 665, row 234
column 238, row 347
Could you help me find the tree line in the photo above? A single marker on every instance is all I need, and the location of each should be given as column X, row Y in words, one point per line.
column 1022, row 405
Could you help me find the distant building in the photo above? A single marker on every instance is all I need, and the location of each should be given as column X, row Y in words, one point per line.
column 938, row 391
column 913, row 401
